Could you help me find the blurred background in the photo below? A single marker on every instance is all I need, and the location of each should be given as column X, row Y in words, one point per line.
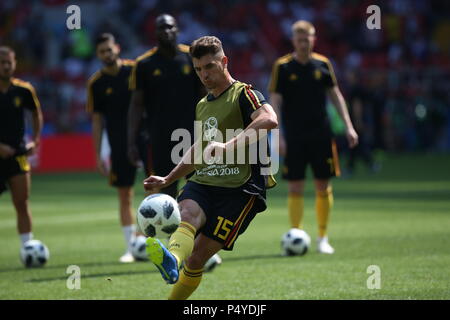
column 403, row 69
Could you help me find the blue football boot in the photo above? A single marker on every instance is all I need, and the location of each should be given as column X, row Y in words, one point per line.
column 163, row 260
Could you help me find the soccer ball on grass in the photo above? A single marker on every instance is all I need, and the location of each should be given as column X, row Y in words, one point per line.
column 138, row 246
column 295, row 242
column 34, row 253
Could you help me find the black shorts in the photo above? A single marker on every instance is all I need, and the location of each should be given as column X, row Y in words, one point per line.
column 321, row 154
column 12, row 167
column 123, row 173
column 228, row 210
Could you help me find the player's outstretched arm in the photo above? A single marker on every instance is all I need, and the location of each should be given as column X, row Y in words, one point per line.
column 6, row 151
column 183, row 168
column 36, row 124
column 276, row 101
column 97, row 130
column 264, row 119
column 134, row 121
column 338, row 101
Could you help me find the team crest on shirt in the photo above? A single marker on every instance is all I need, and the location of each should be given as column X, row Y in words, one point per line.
column 210, row 128
column 17, row 101
column 157, row 72
column 317, row 74
column 186, row 69
column 293, row 77
column 109, row 91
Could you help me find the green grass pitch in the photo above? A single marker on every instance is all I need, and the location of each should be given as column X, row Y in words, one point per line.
column 398, row 220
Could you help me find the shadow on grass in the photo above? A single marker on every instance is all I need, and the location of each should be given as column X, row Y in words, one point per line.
column 129, row 273
column 255, row 257
column 107, row 276
column 90, row 264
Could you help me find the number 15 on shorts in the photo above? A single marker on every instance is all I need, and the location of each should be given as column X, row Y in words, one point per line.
column 222, row 229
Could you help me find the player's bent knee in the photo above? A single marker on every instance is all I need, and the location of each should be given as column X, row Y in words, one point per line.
column 20, row 200
column 191, row 218
column 296, row 188
column 192, row 213
column 322, row 184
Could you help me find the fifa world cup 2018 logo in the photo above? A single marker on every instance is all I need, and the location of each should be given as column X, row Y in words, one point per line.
column 210, row 129
column 209, row 134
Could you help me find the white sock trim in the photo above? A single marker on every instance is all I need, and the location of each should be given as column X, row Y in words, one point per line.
column 128, row 233
column 24, row 237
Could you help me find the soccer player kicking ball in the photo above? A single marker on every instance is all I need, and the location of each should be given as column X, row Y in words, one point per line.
column 300, row 84
column 219, row 200
column 16, row 96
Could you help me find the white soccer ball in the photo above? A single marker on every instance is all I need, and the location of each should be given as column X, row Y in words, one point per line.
column 34, row 253
column 158, row 216
column 138, row 246
column 295, row 242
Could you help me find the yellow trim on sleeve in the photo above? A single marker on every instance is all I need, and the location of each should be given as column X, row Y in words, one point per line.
column 90, row 94
column 322, row 58
column 128, row 62
column 183, row 48
column 132, row 83
column 29, row 87
column 276, row 69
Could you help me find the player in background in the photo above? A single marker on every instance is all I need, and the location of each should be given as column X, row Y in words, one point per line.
column 300, row 83
column 17, row 96
column 108, row 102
column 165, row 89
column 361, row 114
column 216, row 207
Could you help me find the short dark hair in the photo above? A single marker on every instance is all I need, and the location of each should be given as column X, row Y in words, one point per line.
column 7, row 50
column 104, row 37
column 205, row 45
